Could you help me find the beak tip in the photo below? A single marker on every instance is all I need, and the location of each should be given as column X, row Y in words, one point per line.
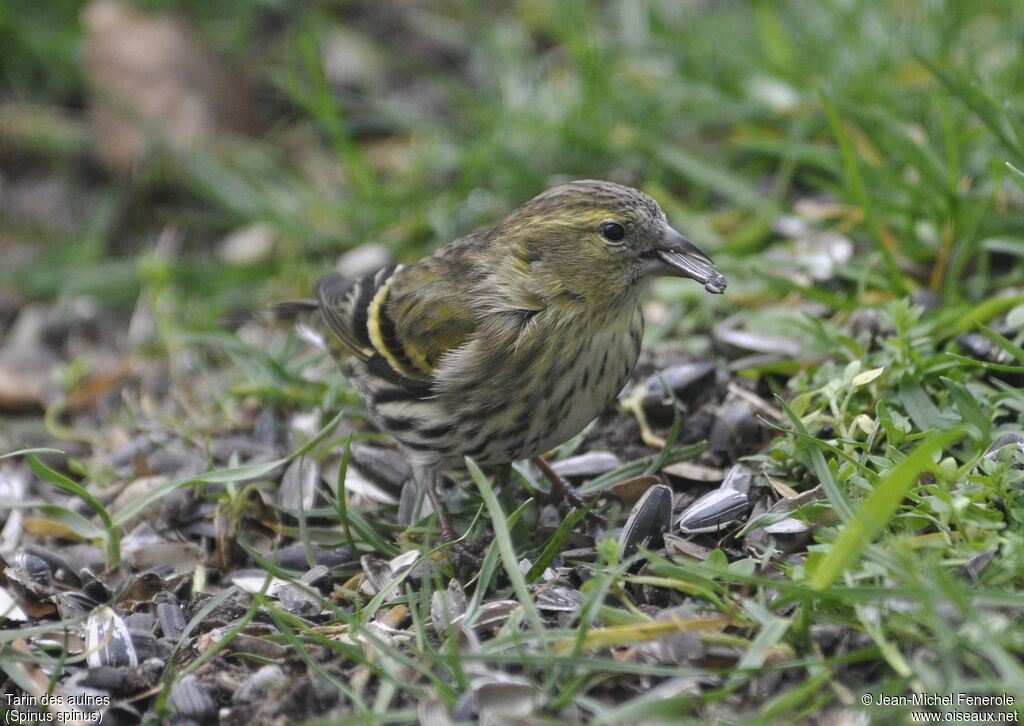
column 716, row 284
column 686, row 259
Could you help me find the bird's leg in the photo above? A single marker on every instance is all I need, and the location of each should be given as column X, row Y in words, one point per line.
column 562, row 490
column 464, row 561
column 428, row 479
column 502, row 475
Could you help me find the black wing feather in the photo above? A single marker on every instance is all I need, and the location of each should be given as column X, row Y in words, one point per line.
column 339, row 298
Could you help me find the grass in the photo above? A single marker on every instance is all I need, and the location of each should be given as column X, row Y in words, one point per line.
column 898, row 126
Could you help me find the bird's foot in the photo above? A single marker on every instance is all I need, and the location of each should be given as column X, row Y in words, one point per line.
column 465, row 561
column 464, row 558
column 564, row 493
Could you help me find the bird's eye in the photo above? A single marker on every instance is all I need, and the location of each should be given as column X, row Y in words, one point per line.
column 613, row 231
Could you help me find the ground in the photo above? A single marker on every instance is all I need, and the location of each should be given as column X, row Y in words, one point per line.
column 820, row 523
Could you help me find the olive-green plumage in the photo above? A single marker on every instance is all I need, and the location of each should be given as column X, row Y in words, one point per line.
column 507, row 342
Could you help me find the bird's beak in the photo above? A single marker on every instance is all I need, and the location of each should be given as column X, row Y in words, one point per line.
column 675, row 255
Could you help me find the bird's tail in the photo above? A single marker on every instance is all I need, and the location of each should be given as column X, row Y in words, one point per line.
column 286, row 314
column 303, row 317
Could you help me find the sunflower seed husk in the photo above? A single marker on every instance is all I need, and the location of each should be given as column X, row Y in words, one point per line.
column 378, row 576
column 145, row 644
column 689, row 471
column 447, row 606
column 631, row 490
column 735, row 431
column 255, row 581
column 977, row 346
column 59, row 568
column 303, row 600
column 500, row 694
column 494, row 612
column 674, row 648
column 559, row 599
column 406, row 561
column 592, row 463
column 789, row 525
column 73, row 604
column 294, row 557
column 190, row 699
column 649, row 519
column 1010, row 440
column 141, row 621
column 713, row 511
column 93, row 587
column 250, row 645
column 318, row 578
column 677, row 545
column 9, row 609
column 172, row 620
column 298, row 488
column 384, row 465
column 35, row 568
column 182, row 556
column 738, row 479
column 975, row 566
column 736, row 342
column 431, row 710
column 257, row 686
column 108, row 641
column 105, row 678
column 692, row 384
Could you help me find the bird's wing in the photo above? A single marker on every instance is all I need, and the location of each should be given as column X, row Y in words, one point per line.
column 423, row 314
column 343, row 304
column 399, row 321
column 404, row 320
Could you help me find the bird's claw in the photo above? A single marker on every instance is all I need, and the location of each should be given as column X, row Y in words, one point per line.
column 563, row 493
column 464, row 560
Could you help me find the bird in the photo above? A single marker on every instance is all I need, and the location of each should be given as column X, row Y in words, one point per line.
column 507, row 342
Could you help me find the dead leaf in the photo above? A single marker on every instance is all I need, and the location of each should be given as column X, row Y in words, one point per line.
column 26, row 379
column 151, row 79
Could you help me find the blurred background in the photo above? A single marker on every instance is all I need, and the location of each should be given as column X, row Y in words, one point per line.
column 262, row 139
column 166, row 164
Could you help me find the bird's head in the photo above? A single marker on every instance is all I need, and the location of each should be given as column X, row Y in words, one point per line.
column 598, row 240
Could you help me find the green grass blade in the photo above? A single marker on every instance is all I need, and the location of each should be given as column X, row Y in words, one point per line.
column 970, row 410
column 508, row 555
column 24, row 452
column 981, row 102
column 554, row 544
column 1003, row 342
column 1018, row 175
column 62, row 482
column 857, row 190
column 835, row 495
column 878, row 509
